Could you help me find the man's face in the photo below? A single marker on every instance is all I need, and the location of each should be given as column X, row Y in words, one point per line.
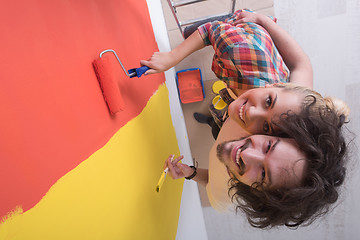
column 275, row 162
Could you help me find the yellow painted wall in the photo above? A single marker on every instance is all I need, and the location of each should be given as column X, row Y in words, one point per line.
column 111, row 195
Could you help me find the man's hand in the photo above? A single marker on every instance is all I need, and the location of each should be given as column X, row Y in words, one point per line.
column 176, row 169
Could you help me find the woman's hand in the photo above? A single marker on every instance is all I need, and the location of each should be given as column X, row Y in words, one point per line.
column 159, row 62
column 245, row 16
column 162, row 61
column 176, row 169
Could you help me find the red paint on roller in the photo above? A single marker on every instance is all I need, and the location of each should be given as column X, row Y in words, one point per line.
column 108, row 84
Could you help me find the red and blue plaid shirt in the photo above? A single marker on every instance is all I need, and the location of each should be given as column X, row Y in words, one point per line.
column 245, row 55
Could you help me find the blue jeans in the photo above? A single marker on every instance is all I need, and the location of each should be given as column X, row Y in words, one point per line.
column 192, row 28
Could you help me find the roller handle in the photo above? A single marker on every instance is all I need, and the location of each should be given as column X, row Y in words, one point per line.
column 138, row 72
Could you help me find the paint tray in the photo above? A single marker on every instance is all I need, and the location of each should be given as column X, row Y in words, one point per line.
column 190, row 85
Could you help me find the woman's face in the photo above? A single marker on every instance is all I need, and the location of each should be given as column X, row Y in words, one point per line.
column 255, row 108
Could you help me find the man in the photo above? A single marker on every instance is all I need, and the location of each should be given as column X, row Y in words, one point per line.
column 249, row 159
column 274, row 180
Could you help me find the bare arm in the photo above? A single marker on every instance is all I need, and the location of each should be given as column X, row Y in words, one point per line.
column 295, row 58
column 179, row 170
column 202, row 177
column 162, row 61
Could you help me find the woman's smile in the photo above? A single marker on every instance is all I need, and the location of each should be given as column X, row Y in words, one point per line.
column 242, row 112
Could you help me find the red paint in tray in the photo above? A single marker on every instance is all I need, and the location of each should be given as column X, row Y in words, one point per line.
column 190, row 85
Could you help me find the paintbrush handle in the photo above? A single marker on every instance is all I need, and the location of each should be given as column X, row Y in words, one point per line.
column 163, row 176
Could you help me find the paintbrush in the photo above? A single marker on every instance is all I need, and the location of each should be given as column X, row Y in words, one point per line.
column 163, row 176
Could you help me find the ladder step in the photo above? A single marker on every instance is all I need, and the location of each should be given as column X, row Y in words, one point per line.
column 185, row 2
column 195, row 20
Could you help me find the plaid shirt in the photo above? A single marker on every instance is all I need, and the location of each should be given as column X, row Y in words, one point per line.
column 245, row 55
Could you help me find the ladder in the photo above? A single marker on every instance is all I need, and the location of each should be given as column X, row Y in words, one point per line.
column 180, row 3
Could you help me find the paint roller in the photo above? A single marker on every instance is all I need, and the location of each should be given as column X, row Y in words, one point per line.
column 108, row 84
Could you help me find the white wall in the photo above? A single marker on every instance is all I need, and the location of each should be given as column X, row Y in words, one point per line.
column 328, row 31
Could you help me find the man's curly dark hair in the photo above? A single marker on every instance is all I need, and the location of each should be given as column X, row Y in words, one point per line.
column 322, row 140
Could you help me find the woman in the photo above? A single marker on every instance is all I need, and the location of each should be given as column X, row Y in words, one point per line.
column 250, row 53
